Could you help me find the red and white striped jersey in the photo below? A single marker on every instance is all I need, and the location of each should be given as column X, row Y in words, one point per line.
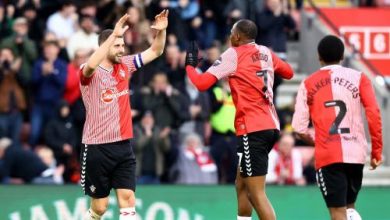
column 250, row 69
column 107, row 102
column 332, row 98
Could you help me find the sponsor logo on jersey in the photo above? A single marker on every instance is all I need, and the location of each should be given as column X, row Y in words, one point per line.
column 108, row 95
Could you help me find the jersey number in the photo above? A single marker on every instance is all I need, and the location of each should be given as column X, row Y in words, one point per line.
column 264, row 74
column 239, row 160
column 334, row 129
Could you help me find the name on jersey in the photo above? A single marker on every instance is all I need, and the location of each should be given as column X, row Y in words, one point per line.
column 336, row 81
column 259, row 56
column 108, row 95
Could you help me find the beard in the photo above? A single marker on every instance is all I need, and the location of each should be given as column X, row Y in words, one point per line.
column 115, row 58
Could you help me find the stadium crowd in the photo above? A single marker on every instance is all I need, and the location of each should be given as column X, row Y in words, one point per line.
column 182, row 136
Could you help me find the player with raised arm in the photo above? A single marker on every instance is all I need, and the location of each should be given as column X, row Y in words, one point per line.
column 333, row 98
column 107, row 154
column 250, row 69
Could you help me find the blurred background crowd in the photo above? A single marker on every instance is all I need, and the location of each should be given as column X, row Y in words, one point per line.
column 181, row 135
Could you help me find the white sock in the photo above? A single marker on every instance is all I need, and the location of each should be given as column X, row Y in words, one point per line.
column 127, row 213
column 243, row 218
column 352, row 214
column 91, row 215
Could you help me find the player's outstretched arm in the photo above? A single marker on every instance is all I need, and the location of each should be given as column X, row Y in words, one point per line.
column 367, row 97
column 201, row 81
column 282, row 68
column 98, row 56
column 157, row 48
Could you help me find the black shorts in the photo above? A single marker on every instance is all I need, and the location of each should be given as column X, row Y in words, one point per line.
column 107, row 166
column 340, row 183
column 252, row 151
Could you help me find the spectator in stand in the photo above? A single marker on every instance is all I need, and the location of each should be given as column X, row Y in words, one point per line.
column 285, row 163
column 72, row 93
column 138, row 37
column 238, row 9
column 88, row 7
column 47, row 157
column 48, row 80
column 194, row 165
column 223, row 139
column 36, row 22
column 12, row 99
column 273, row 23
column 63, row 23
column 173, row 65
column 184, row 12
column 24, row 166
column 198, row 111
column 60, row 136
column 164, row 101
column 7, row 12
column 50, row 36
column 72, row 86
column 152, row 143
column 84, row 38
column 212, row 54
column 22, row 47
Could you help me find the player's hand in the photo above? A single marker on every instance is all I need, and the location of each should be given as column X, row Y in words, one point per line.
column 192, row 54
column 161, row 21
column 375, row 163
column 120, row 26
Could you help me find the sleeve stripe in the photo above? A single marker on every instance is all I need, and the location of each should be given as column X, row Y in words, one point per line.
column 138, row 61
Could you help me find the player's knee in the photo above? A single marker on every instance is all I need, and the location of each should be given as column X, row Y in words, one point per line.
column 100, row 208
column 127, row 198
column 338, row 214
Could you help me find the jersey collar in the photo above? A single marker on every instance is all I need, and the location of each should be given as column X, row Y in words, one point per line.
column 330, row 67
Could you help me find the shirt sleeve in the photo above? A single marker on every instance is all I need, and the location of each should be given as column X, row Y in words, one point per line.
column 225, row 65
column 84, row 80
column 282, row 68
column 133, row 62
column 367, row 96
column 301, row 117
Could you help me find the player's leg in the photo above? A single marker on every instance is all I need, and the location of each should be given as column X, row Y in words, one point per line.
column 258, row 197
column 97, row 209
column 95, row 179
column 338, row 213
column 123, row 180
column 332, row 181
column 355, row 177
column 254, row 166
column 244, row 205
column 126, row 203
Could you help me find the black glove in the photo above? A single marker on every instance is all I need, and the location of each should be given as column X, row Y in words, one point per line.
column 192, row 54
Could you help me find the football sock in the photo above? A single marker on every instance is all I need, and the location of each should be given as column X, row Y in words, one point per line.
column 244, row 218
column 127, row 213
column 91, row 215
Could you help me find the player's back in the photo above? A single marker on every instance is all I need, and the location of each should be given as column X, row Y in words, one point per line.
column 333, row 98
column 251, row 87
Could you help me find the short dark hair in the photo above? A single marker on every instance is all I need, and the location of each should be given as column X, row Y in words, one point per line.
column 66, row 3
column 50, row 42
column 247, row 28
column 104, row 35
column 330, row 49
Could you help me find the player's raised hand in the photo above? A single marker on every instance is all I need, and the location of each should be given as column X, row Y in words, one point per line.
column 161, row 21
column 120, row 26
column 375, row 163
column 192, row 54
